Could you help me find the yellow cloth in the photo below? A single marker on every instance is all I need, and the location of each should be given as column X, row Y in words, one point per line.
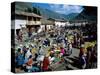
column 89, row 44
column 48, row 54
column 33, row 51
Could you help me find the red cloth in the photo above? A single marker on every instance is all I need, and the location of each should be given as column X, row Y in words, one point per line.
column 30, row 62
column 81, row 51
column 62, row 50
column 45, row 63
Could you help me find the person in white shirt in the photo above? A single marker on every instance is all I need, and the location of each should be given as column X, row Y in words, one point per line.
column 28, row 53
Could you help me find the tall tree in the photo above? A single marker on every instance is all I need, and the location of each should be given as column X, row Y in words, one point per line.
column 36, row 11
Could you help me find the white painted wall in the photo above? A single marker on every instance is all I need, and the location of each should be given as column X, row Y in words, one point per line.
column 15, row 24
column 60, row 23
column 42, row 27
column 49, row 26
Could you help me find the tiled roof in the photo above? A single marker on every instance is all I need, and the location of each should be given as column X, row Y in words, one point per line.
column 27, row 14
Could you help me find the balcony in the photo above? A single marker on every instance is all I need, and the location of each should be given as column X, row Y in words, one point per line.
column 33, row 22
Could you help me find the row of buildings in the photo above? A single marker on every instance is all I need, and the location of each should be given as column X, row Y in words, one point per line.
column 25, row 19
column 21, row 19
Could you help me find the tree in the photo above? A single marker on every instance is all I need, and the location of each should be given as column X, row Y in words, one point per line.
column 36, row 11
column 29, row 10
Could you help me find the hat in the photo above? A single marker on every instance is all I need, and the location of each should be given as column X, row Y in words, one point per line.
column 20, row 45
column 84, row 54
column 27, row 46
column 82, row 45
column 46, row 55
column 54, row 45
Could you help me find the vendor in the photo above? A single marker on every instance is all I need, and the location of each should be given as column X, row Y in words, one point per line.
column 30, row 61
column 46, row 63
column 81, row 50
column 62, row 51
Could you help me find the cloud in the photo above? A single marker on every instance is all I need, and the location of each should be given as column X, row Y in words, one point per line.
column 66, row 9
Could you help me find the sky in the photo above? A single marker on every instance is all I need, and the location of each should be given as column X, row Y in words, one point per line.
column 61, row 8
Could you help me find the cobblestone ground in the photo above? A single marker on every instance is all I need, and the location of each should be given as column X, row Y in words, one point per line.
column 71, row 62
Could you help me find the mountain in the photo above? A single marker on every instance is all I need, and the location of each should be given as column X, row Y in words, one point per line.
column 71, row 16
column 51, row 14
column 89, row 13
column 46, row 13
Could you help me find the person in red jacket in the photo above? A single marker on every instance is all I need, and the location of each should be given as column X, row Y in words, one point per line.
column 46, row 63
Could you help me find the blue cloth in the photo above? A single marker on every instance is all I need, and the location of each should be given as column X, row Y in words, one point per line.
column 20, row 59
column 34, row 68
column 25, row 60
